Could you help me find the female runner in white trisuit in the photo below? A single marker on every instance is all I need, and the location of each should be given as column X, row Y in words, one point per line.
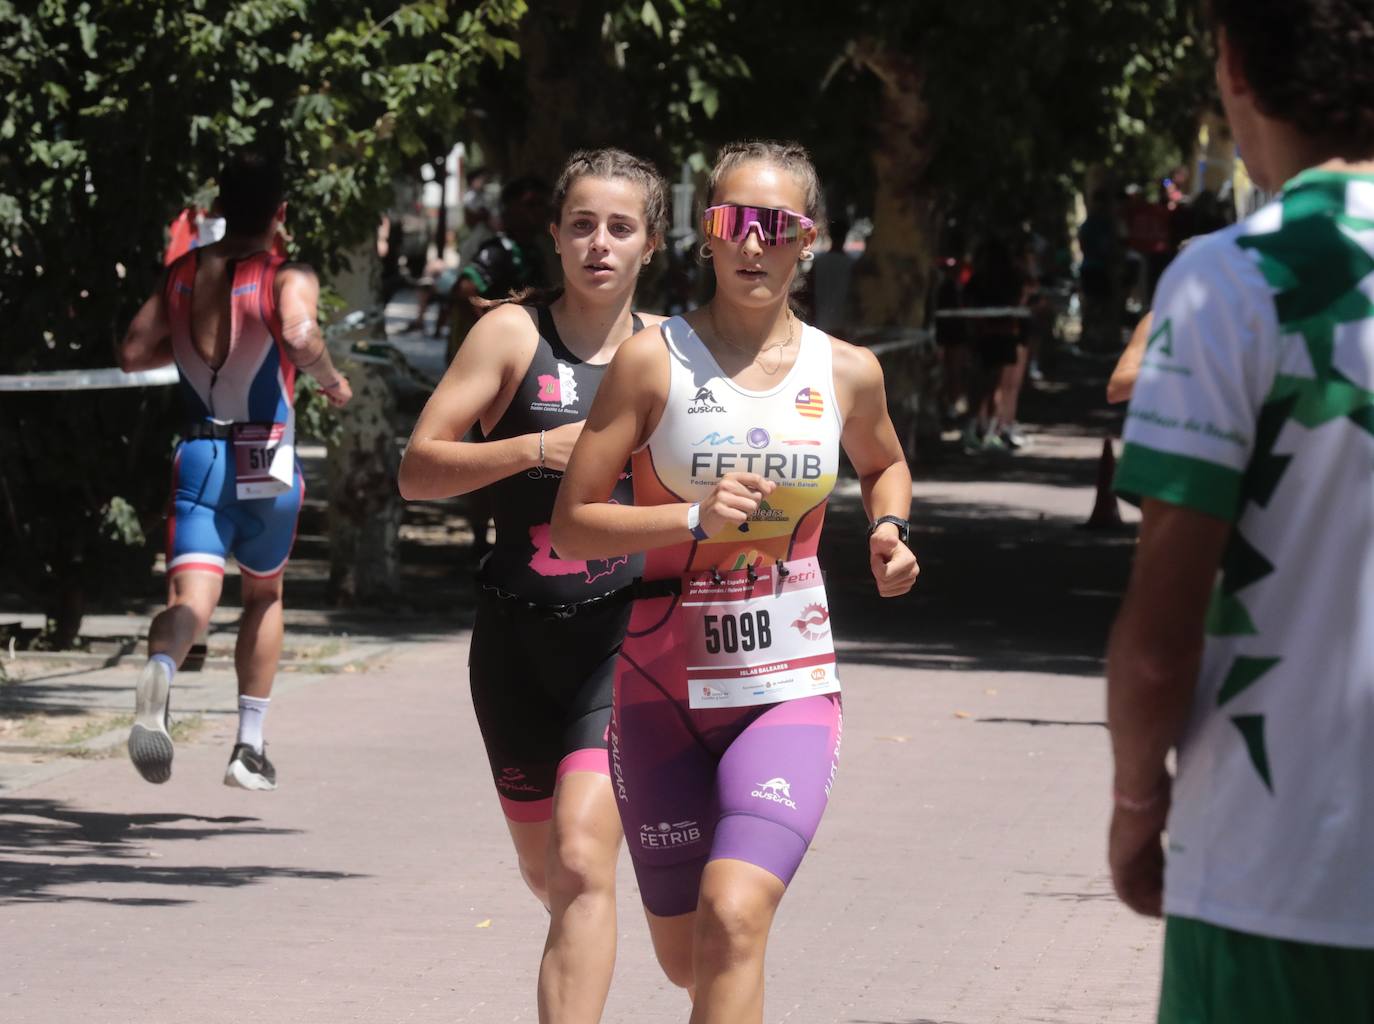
column 548, row 629
column 726, row 723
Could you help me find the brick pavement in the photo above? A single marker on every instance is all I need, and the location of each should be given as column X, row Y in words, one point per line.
column 957, row 878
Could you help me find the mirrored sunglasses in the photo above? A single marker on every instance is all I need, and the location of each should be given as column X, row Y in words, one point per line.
column 776, row 227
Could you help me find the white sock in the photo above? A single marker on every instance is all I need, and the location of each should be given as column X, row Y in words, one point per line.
column 252, row 710
column 167, row 663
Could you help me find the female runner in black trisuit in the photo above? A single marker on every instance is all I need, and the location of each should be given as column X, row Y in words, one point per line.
column 548, row 629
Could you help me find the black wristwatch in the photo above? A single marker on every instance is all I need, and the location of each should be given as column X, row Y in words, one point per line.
column 903, row 527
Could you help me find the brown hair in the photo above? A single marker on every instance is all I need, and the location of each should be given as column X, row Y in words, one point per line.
column 616, row 163
column 790, row 156
column 1308, row 64
column 599, row 163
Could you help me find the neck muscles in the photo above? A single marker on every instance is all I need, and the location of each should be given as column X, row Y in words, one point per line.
column 587, row 327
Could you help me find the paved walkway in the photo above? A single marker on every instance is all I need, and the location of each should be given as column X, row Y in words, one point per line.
column 958, row 877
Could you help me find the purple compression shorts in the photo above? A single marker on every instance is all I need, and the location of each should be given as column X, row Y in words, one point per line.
column 695, row 785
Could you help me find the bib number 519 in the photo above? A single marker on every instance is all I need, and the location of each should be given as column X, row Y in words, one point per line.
column 747, row 631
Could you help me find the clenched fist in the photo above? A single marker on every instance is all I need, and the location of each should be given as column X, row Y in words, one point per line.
column 733, row 500
column 892, row 562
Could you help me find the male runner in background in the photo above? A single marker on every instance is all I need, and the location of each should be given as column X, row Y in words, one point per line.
column 238, row 321
column 1250, row 438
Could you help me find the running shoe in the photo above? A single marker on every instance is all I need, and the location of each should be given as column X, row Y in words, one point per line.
column 1012, row 436
column 249, row 769
column 150, row 742
column 971, row 440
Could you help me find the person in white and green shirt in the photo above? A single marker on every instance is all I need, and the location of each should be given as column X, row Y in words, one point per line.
column 1246, row 638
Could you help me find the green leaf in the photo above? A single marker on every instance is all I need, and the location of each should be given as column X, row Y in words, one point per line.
column 649, row 15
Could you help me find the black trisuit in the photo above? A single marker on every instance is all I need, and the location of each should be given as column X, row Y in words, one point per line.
column 548, row 629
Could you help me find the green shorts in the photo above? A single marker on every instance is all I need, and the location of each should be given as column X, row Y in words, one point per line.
column 1214, row 975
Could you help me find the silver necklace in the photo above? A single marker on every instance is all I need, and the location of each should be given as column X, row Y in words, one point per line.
column 755, row 353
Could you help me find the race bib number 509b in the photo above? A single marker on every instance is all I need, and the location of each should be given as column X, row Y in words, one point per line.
column 760, row 640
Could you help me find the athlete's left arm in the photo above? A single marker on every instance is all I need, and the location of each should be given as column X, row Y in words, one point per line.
column 871, row 443
column 1153, row 659
column 148, row 342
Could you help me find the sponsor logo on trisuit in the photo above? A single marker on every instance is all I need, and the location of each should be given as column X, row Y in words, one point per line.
column 757, row 437
column 793, row 468
column 715, row 439
column 778, row 790
column 710, row 692
column 556, row 392
column 617, row 771
column 766, row 513
column 813, row 622
column 705, row 401
column 512, row 780
column 664, row 836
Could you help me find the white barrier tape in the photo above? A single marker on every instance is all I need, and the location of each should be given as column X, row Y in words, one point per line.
column 111, row 378
column 89, row 380
column 914, row 340
column 983, row 313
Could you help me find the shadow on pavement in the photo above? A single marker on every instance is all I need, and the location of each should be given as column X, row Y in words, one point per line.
column 51, row 698
column 52, row 830
column 1002, row 589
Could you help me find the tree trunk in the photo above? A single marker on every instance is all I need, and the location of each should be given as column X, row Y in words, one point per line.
column 892, row 278
column 364, row 506
column 566, row 65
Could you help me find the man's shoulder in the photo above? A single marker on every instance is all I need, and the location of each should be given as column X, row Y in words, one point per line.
column 1219, row 266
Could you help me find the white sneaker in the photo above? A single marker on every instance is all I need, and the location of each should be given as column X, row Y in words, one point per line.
column 150, row 744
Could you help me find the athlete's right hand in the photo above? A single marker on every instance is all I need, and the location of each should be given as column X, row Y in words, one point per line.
column 733, row 500
column 558, row 444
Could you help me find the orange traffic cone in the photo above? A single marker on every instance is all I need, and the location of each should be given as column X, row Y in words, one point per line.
column 1106, row 515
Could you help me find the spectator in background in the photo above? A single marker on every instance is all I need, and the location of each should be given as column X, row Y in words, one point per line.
column 998, row 346
column 1097, row 274
column 1147, row 235
column 831, row 274
column 477, row 216
column 951, row 334
column 508, row 262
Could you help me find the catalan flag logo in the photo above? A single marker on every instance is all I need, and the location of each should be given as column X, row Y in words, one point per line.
column 810, row 404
